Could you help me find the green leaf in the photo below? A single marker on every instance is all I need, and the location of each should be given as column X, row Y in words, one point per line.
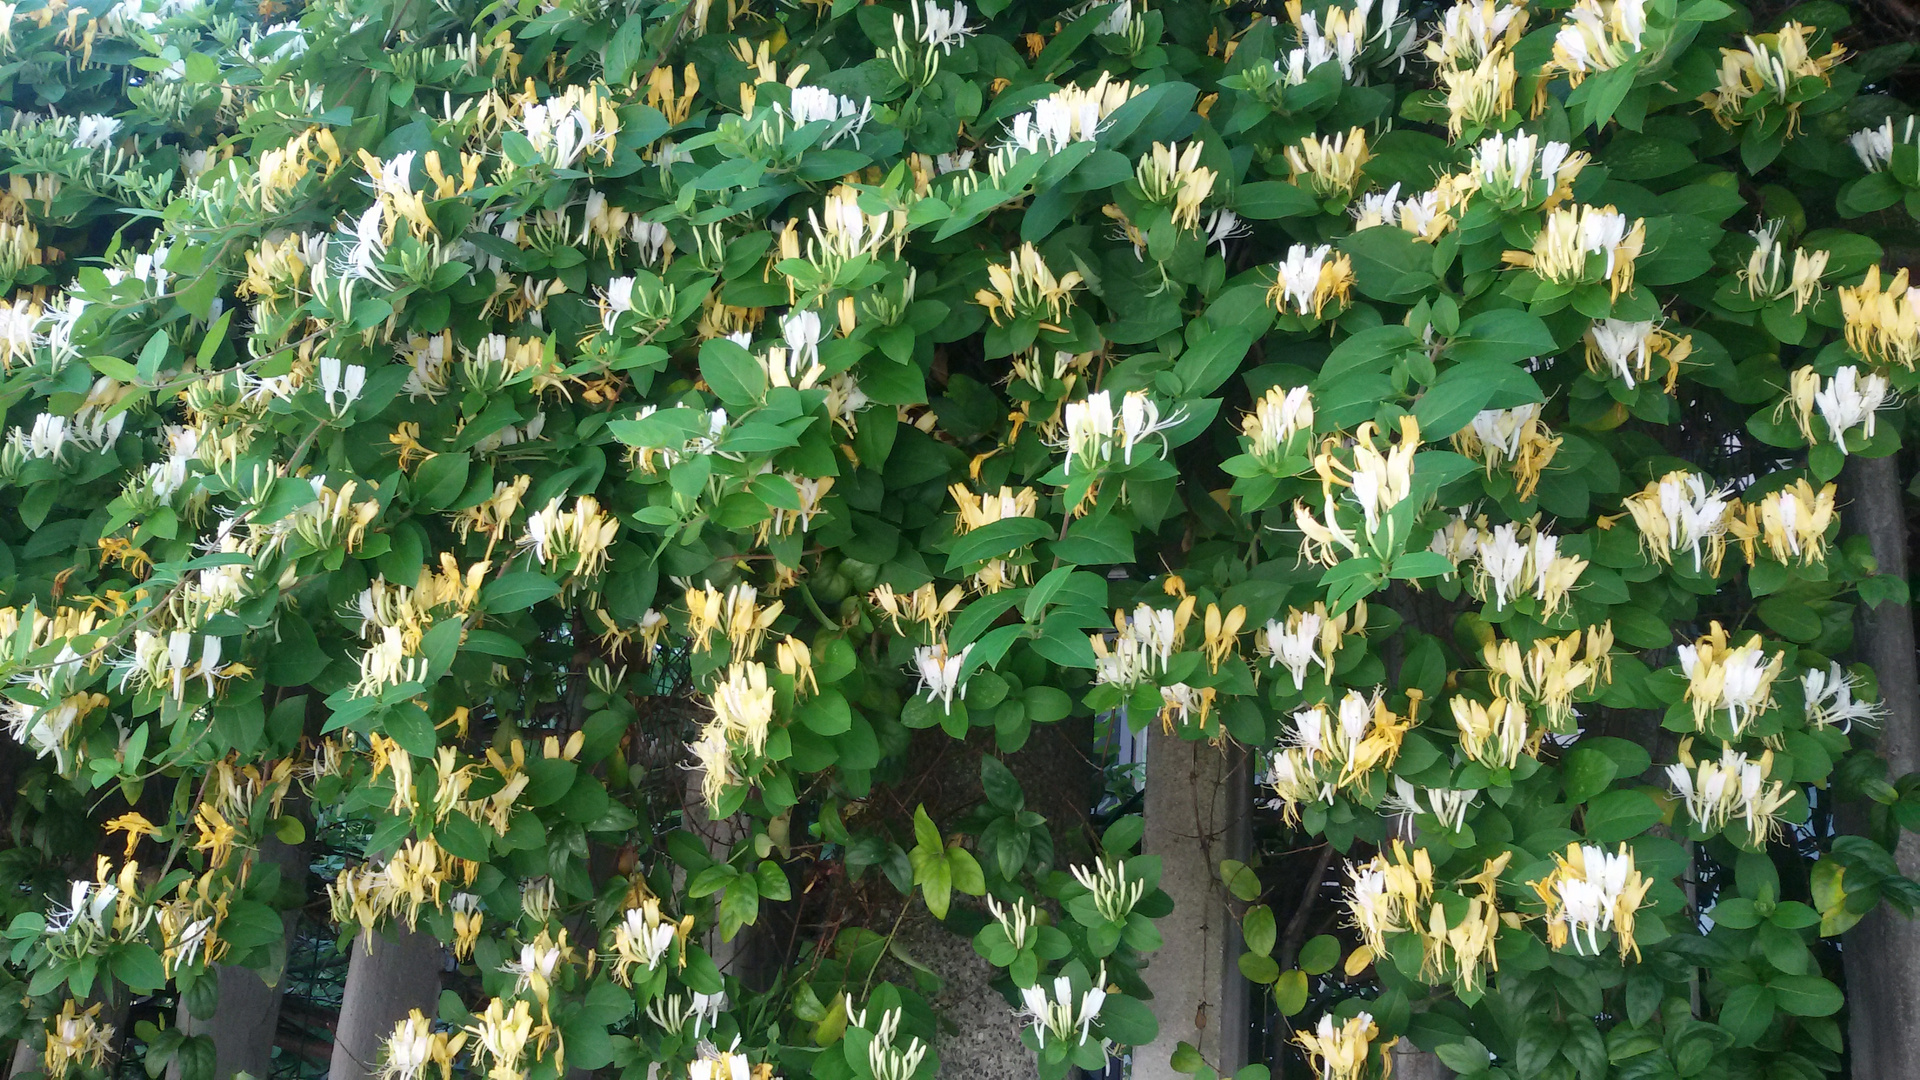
column 1465, row 389
column 1266, row 200
column 732, row 373
column 1128, row 1021
column 1290, row 992
column 1002, row 790
column 1621, row 815
column 1748, row 1013
column 1212, row 360
column 1257, row 927
column 1806, row 995
column 439, row 480
column 1259, row 968
column 1320, row 954
column 1502, row 336
column 517, row 591
column 964, row 871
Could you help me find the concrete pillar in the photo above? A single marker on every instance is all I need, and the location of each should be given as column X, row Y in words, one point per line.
column 1412, row 1063
column 248, row 1014
column 401, row 973
column 1883, row 951
column 1198, row 812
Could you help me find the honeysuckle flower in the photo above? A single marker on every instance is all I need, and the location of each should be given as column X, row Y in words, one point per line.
column 76, row 1040
column 1846, row 400
column 1737, row 679
column 1883, row 325
column 581, row 535
column 1341, row 1052
column 1572, row 234
column 924, row 605
column 844, row 117
column 1301, row 641
column 1071, row 114
column 1792, row 521
column 1550, row 671
column 940, row 672
column 1094, row 433
column 1376, row 483
column 1521, row 169
column 1223, row 225
column 1599, row 35
column 1386, row 894
column 884, row 1059
column 95, row 132
column 1472, row 30
column 1515, row 437
column 1058, row 1016
column 939, row 27
column 1589, row 893
column 414, row 1046
column 1018, row 920
column 1114, row 893
column 1450, row 805
column 641, row 938
column 1625, row 350
column 1309, row 279
column 501, row 1034
column 1495, row 735
column 1766, row 275
column 1278, row 418
column 1679, row 512
column 1771, row 64
column 1331, row 166
column 1170, row 176
column 1479, row 95
column 1736, row 787
column 1027, row 288
column 340, row 385
column 1830, row 700
column 743, row 705
column 1874, row 146
column 716, row 1064
column 1513, row 561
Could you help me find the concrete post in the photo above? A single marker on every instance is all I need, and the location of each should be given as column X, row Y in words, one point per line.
column 1198, row 812
column 247, row 1018
column 1883, row 950
column 399, row 974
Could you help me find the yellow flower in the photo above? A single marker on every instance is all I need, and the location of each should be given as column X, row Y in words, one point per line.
column 414, row 1045
column 1332, row 165
column 1738, row 679
column 1515, row 437
column 1480, row 95
column 1572, row 234
column 1027, row 288
column 76, row 1040
column 1589, row 893
column 1882, row 325
column 1770, row 64
column 1169, row 176
column 1679, row 512
column 1343, row 1052
column 1309, row 279
column 1792, row 521
column 135, row 825
column 1494, row 735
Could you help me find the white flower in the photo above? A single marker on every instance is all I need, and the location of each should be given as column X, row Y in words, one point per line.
column 1294, row 644
column 1830, row 701
column 1874, row 146
column 1850, row 400
column 95, row 132
column 801, row 329
column 343, row 383
column 942, row 28
column 845, row 118
column 939, row 672
column 1056, row 1016
column 1114, row 894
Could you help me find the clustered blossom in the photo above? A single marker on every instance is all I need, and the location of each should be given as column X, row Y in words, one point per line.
column 1736, row 787
column 1734, row 679
column 1327, row 750
column 1591, row 892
